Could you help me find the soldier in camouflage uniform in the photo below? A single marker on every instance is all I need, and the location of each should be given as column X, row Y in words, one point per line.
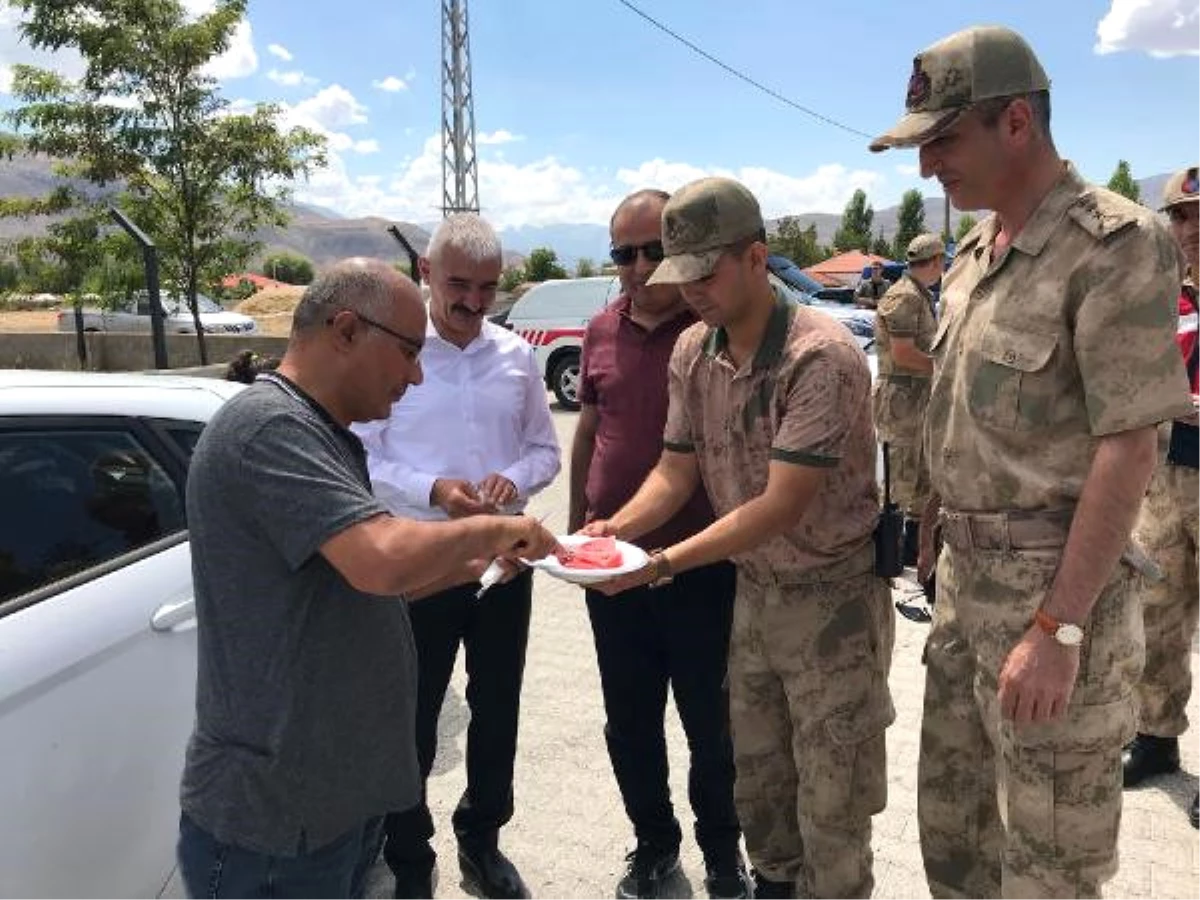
column 770, row 410
column 1166, row 530
column 1053, row 363
column 905, row 323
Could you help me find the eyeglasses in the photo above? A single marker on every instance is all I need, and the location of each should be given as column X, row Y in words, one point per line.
column 626, row 254
column 411, row 345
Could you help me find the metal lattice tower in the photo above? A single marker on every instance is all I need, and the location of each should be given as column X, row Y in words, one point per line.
column 460, row 175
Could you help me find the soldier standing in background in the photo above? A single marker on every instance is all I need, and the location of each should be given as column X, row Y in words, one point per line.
column 1166, row 529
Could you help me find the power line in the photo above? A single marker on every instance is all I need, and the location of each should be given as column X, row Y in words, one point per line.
column 746, row 78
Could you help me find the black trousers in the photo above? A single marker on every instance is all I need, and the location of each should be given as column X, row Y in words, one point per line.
column 494, row 631
column 647, row 640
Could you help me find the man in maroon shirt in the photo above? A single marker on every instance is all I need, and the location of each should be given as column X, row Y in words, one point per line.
column 675, row 635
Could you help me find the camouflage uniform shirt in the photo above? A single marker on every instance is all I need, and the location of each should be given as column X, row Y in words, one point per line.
column 1066, row 338
column 900, row 395
column 804, row 398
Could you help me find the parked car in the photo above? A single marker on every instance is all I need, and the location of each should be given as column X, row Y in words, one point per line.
column 861, row 323
column 133, row 314
column 795, row 277
column 552, row 317
column 97, row 627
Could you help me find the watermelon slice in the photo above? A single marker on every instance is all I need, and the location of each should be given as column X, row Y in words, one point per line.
column 598, row 553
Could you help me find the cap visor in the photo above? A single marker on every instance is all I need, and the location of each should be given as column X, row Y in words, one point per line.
column 915, row 129
column 685, row 267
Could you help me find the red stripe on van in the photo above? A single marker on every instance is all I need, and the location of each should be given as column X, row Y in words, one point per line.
column 543, row 338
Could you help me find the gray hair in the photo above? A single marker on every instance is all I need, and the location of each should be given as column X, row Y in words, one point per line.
column 468, row 234
column 362, row 285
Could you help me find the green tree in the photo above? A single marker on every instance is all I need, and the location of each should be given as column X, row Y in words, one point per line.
column 881, row 246
column 543, row 265
column 965, row 223
column 585, row 268
column 290, row 268
column 910, row 221
column 510, row 278
column 1122, row 182
column 797, row 243
column 197, row 178
column 855, row 231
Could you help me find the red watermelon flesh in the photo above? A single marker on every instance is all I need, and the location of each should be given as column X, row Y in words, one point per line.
column 598, row 553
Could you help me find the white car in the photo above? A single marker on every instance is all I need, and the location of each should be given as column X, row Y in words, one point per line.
column 134, row 315
column 97, row 627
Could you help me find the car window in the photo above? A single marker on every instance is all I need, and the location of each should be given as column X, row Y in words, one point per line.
column 74, row 499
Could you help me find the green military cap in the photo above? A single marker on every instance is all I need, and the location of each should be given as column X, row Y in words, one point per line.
column 700, row 221
column 947, row 78
column 923, row 247
column 1182, row 187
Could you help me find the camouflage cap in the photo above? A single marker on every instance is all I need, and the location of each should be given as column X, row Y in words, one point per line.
column 1182, row 187
column 700, row 221
column 923, row 247
column 968, row 66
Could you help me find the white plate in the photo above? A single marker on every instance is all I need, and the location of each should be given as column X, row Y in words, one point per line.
column 632, row 559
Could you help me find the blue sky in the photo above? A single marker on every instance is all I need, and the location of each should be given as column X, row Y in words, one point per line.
column 579, row 101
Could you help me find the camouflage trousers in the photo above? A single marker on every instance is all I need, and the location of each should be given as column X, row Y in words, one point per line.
column 910, row 478
column 1031, row 811
column 809, row 704
column 1166, row 530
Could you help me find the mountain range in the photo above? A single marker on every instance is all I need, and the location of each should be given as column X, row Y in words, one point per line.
column 324, row 236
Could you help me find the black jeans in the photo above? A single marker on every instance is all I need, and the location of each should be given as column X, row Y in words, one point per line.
column 494, row 631
column 676, row 635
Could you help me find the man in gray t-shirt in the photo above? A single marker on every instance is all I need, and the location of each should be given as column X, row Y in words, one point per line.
column 306, row 688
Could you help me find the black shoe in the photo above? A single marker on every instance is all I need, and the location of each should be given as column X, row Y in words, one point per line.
column 489, row 873
column 1194, row 811
column 765, row 887
column 1146, row 756
column 647, row 870
column 731, row 880
column 415, row 881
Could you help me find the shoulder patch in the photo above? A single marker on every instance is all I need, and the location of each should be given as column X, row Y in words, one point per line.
column 1102, row 213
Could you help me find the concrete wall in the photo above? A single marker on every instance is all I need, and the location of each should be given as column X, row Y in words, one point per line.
column 109, row 352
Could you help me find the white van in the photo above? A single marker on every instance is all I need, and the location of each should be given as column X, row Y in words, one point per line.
column 552, row 317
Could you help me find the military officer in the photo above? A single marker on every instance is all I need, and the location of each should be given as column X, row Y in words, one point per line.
column 904, row 328
column 1053, row 364
column 1166, row 529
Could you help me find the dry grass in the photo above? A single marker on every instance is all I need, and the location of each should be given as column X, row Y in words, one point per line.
column 27, row 321
column 271, row 301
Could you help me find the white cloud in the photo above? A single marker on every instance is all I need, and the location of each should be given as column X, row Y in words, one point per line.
column 366, row 147
column 549, row 191
column 391, row 84
column 497, row 137
column 908, row 171
column 280, row 51
column 290, row 78
column 1159, row 27
column 239, row 60
column 331, row 108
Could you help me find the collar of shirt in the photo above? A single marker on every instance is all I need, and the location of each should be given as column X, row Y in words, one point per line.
column 774, row 338
column 297, row 393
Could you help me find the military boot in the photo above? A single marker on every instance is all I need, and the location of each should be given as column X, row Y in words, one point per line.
column 1147, row 755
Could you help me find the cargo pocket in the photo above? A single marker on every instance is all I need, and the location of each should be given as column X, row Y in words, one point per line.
column 856, row 783
column 1012, row 385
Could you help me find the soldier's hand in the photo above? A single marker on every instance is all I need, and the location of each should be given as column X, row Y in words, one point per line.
column 636, row 578
column 526, row 538
column 457, row 497
column 1037, row 679
column 597, row 528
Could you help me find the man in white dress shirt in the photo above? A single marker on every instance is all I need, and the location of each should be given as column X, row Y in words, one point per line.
column 475, row 437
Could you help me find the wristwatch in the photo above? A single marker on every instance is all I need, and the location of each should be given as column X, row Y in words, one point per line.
column 1066, row 633
column 660, row 572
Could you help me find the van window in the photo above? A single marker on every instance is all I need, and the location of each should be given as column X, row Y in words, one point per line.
column 577, row 298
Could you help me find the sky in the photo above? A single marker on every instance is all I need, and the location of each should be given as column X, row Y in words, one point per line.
column 578, row 102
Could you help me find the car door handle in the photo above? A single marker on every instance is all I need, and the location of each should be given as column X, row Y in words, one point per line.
column 171, row 615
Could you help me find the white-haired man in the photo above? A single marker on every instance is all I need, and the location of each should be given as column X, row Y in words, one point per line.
column 475, row 437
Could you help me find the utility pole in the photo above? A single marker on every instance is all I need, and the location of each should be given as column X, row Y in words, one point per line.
column 460, row 176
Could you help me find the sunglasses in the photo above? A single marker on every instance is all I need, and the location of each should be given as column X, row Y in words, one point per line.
column 626, row 254
column 1180, row 214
